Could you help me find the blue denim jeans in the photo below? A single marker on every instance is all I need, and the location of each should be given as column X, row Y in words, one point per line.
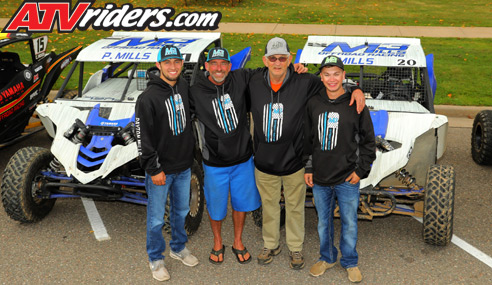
column 348, row 200
column 178, row 187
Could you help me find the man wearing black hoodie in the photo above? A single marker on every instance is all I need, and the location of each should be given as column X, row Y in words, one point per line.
column 340, row 147
column 165, row 143
column 278, row 100
column 218, row 101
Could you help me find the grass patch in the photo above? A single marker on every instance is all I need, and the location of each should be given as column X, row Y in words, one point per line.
column 345, row 12
column 462, row 66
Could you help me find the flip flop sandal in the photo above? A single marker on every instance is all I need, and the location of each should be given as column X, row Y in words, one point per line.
column 217, row 253
column 243, row 252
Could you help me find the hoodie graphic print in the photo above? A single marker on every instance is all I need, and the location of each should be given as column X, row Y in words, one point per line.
column 225, row 113
column 176, row 114
column 273, row 119
column 328, row 130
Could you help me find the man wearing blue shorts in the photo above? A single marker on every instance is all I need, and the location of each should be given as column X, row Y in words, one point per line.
column 218, row 101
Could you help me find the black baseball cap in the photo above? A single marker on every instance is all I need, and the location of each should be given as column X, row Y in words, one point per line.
column 169, row 52
column 332, row 60
column 218, row 53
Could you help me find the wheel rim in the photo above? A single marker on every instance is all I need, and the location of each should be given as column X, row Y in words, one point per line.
column 478, row 136
column 194, row 195
column 35, row 186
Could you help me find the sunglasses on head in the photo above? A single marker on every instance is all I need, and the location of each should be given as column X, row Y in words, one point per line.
column 274, row 58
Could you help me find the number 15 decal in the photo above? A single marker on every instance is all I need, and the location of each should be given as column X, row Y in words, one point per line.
column 40, row 46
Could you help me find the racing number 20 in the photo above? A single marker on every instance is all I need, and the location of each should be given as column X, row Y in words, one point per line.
column 407, row 62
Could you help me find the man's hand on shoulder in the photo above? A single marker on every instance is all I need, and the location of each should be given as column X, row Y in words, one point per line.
column 300, row 68
column 360, row 100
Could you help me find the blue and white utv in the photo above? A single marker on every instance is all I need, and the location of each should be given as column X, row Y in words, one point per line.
column 399, row 85
column 94, row 153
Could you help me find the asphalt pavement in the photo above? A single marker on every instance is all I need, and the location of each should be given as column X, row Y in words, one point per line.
column 62, row 249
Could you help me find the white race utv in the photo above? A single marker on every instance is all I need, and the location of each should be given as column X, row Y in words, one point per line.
column 94, row 153
column 399, row 84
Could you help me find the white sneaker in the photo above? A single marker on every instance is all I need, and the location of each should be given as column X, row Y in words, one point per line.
column 185, row 256
column 159, row 271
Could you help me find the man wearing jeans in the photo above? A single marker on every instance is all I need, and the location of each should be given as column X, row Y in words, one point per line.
column 278, row 98
column 341, row 146
column 165, row 144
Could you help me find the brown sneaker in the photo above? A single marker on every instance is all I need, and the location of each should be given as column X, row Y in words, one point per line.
column 320, row 267
column 266, row 255
column 296, row 260
column 159, row 271
column 354, row 274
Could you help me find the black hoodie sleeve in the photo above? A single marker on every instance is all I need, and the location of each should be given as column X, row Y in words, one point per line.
column 307, row 157
column 192, row 103
column 367, row 144
column 248, row 73
column 144, row 125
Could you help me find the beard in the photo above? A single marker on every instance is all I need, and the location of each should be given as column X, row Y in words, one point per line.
column 217, row 79
column 170, row 78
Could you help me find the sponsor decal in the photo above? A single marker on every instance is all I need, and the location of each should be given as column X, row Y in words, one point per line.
column 367, row 49
column 27, row 75
column 34, row 94
column 35, row 78
column 10, row 111
column 11, row 91
column 38, row 68
column 41, row 17
column 118, row 50
column 109, row 123
column 65, row 62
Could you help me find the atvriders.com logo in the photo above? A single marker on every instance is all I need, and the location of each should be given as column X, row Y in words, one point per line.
column 41, row 16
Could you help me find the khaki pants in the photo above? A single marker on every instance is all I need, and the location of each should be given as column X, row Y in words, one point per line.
column 269, row 187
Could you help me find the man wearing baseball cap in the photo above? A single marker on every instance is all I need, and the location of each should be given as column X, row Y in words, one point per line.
column 339, row 149
column 278, row 99
column 165, row 143
column 218, row 101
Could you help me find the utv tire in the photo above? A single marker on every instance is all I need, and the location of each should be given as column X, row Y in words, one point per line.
column 197, row 201
column 439, row 205
column 258, row 216
column 481, row 141
column 19, row 183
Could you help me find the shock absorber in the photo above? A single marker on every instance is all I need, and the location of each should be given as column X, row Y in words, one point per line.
column 406, row 178
column 55, row 165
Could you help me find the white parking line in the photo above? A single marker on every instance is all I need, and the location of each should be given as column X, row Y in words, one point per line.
column 95, row 219
column 473, row 251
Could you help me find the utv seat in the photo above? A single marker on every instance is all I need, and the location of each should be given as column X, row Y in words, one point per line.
column 10, row 65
